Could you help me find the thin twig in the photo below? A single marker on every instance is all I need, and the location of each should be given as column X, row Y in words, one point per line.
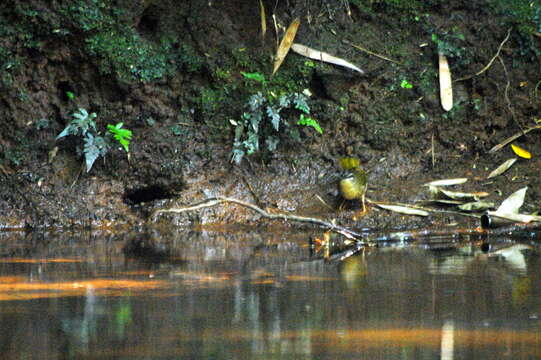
column 323, row 202
column 513, row 138
column 348, row 233
column 535, row 89
column 370, row 52
column 252, row 191
column 433, row 153
column 491, row 60
column 506, row 95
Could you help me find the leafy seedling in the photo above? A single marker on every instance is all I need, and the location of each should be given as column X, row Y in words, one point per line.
column 405, row 84
column 123, row 136
column 308, row 121
column 82, row 122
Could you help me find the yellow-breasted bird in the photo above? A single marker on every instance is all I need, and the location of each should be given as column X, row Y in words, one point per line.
column 353, row 183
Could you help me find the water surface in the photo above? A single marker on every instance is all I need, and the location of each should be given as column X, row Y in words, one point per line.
column 264, row 295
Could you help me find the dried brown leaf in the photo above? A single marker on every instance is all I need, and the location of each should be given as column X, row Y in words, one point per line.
column 286, row 43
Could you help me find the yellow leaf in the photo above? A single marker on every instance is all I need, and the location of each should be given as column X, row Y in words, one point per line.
column 285, row 44
column 521, row 152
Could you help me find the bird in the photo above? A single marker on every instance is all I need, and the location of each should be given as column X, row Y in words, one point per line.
column 354, row 181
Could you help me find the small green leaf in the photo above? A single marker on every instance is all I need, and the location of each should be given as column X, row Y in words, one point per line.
column 123, row 136
column 308, row 121
column 254, row 76
column 405, row 84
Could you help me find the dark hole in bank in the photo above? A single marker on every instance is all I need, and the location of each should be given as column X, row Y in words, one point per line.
column 147, row 194
column 149, row 23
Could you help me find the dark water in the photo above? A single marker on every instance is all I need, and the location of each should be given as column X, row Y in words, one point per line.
column 264, row 296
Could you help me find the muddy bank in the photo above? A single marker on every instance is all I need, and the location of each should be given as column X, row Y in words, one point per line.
column 173, row 74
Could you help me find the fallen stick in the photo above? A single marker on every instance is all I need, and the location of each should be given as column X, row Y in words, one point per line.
column 348, row 233
column 361, row 239
column 513, row 138
column 370, row 52
column 491, row 60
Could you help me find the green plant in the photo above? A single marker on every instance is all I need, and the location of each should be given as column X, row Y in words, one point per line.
column 123, row 136
column 405, row 84
column 70, row 95
column 264, row 122
column 80, row 125
column 254, row 76
column 308, row 121
column 94, row 145
column 450, row 44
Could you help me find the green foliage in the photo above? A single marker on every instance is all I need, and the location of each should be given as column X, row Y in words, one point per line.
column 80, row 125
column 8, row 62
column 123, row 53
column 398, row 7
column 83, row 126
column 450, row 44
column 15, row 154
column 42, row 124
column 405, row 84
column 94, row 147
column 70, row 95
column 123, row 136
column 108, row 37
column 254, row 76
column 188, row 58
column 308, row 121
column 263, row 122
column 525, row 15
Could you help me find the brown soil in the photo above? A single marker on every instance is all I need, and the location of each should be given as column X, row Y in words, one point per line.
column 402, row 136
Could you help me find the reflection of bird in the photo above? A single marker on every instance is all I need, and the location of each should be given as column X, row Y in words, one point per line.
column 354, row 181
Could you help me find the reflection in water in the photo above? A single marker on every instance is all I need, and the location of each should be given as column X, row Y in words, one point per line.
column 261, row 295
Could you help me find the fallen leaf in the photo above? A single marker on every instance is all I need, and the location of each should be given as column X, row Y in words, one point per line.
column 521, row 152
column 515, row 217
column 285, row 44
column 403, row 209
column 447, row 182
column 441, row 201
column 446, row 87
column 322, row 56
column 512, row 204
column 457, row 195
column 476, row 206
column 502, row 168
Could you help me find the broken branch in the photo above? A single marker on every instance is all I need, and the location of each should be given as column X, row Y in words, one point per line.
column 348, row 233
